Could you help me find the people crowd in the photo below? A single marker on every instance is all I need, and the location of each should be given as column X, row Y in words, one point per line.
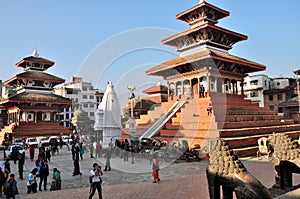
column 38, row 177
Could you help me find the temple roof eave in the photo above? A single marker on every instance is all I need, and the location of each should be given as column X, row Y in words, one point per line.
column 162, row 69
column 37, row 98
column 32, row 59
column 173, row 38
column 30, row 75
column 224, row 13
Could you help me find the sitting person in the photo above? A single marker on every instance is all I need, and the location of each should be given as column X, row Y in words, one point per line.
column 264, row 148
column 56, row 180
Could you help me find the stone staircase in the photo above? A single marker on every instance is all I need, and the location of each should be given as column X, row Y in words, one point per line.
column 39, row 129
column 233, row 118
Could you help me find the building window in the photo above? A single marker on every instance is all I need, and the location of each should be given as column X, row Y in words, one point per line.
column 85, row 106
column 271, row 108
column 67, row 116
column 84, row 96
column 270, row 97
column 76, row 100
column 279, row 96
column 254, row 94
column 92, row 114
column 84, row 88
column 266, row 83
column 91, row 96
column 254, row 82
column 278, row 83
column 92, row 106
column 280, row 110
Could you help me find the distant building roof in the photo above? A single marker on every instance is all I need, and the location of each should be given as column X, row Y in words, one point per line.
column 290, row 103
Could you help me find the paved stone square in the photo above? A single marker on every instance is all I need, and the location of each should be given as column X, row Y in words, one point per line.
column 184, row 180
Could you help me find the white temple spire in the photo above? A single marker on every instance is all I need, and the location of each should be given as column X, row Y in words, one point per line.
column 35, row 53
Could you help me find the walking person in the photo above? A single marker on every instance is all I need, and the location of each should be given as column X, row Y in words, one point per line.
column 76, row 162
column 10, row 187
column 108, row 156
column 98, row 150
column 31, row 152
column 31, row 181
column 48, row 154
column 15, row 154
column 155, row 168
column 21, row 163
column 91, row 149
column 44, row 172
column 96, row 181
column 2, row 180
column 126, row 150
column 81, row 151
column 6, row 168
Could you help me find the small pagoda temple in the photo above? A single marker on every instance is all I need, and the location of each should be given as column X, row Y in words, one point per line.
column 33, row 110
column 205, row 89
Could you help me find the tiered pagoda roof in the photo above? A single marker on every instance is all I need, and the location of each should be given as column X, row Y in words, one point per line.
column 204, row 44
column 34, row 85
column 34, row 75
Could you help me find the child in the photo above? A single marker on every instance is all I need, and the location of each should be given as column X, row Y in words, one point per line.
column 10, row 187
column 155, row 168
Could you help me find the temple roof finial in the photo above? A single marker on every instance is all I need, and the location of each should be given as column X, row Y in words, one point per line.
column 35, row 53
column 201, row 1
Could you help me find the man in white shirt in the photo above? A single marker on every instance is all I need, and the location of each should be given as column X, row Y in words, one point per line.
column 96, row 181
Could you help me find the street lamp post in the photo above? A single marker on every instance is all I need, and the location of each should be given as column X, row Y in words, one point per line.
column 131, row 97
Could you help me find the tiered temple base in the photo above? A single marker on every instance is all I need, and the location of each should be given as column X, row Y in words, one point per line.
column 39, row 129
column 233, row 118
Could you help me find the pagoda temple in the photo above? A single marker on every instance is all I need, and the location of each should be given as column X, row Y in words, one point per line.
column 205, row 89
column 32, row 108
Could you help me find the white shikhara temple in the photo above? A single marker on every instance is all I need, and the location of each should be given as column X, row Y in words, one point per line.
column 108, row 116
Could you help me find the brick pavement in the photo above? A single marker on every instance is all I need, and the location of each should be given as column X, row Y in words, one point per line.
column 182, row 180
column 183, row 187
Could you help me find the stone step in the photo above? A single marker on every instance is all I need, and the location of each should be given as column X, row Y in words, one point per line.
column 224, row 133
column 251, row 140
column 233, row 125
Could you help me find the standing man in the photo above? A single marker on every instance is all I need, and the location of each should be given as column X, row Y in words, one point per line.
column 21, row 164
column 108, row 156
column 44, row 173
column 95, row 176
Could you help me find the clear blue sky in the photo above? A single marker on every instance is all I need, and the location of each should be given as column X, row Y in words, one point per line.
column 67, row 32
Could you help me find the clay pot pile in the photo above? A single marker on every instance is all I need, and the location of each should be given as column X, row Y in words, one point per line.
column 284, row 147
column 223, row 161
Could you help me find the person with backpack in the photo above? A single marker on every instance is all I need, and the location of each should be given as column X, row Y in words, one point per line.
column 10, row 187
